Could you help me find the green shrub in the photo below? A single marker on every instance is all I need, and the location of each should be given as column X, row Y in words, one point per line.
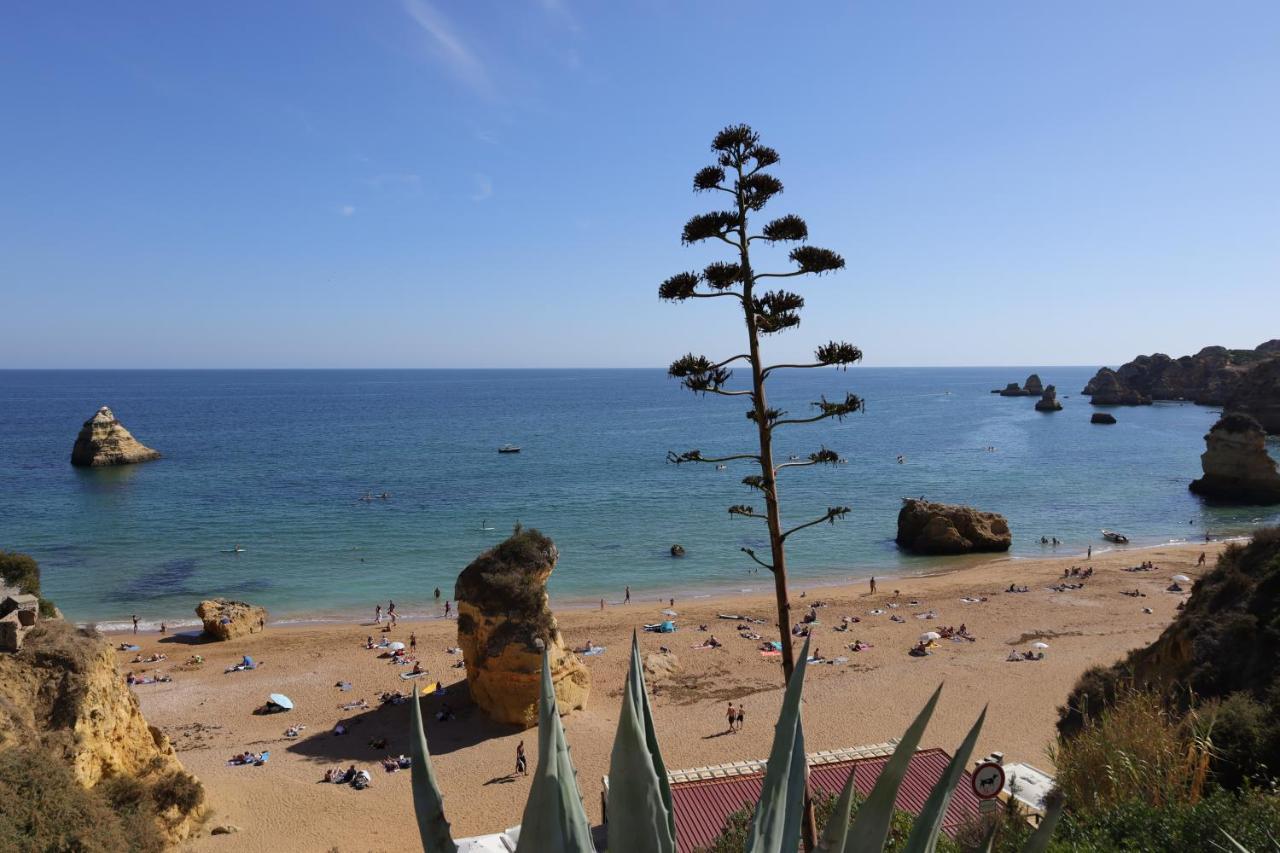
column 178, row 789
column 23, row 573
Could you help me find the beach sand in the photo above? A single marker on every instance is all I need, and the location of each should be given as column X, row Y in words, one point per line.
column 283, row 805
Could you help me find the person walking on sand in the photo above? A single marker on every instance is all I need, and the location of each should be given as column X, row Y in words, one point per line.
column 742, row 715
column 135, row 618
column 377, row 613
column 391, row 608
column 522, row 764
column 873, row 584
column 626, row 599
column 1199, row 562
column 602, row 604
column 413, row 642
column 1089, row 555
column 731, row 715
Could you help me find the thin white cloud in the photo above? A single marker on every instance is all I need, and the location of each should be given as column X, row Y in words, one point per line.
column 484, row 188
column 448, row 47
column 347, row 210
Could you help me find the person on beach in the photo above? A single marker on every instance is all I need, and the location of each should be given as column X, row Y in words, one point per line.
column 377, row 613
column 1089, row 555
column 447, row 609
column 391, row 609
column 413, row 642
column 673, row 603
column 731, row 715
column 437, row 595
column 742, row 715
column 626, row 599
column 135, row 616
column 873, row 584
column 522, row 764
column 162, row 628
column 1199, row 562
column 602, row 604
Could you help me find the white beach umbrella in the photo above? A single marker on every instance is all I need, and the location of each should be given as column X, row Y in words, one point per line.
column 930, row 635
column 1182, row 579
column 1039, row 645
column 395, row 647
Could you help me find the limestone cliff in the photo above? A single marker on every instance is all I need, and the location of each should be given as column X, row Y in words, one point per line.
column 1236, row 464
column 1215, row 376
column 1033, row 386
column 63, row 692
column 225, row 620
column 504, row 620
column 103, row 440
column 934, row 528
column 1048, row 401
column 1258, row 393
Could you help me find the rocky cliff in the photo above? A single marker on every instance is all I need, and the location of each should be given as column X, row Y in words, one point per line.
column 1215, row 376
column 64, row 694
column 103, row 440
column 1048, row 401
column 1236, row 464
column 1258, row 393
column 503, row 623
column 224, row 619
column 934, row 528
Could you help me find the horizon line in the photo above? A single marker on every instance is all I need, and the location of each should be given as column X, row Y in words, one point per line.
column 534, row 367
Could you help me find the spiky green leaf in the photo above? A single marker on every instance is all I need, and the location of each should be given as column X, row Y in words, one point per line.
column 776, row 823
column 428, row 804
column 553, row 815
column 924, row 834
column 641, row 816
column 1039, row 840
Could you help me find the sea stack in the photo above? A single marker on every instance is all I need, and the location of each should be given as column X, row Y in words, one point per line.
column 1032, row 386
column 934, row 528
column 504, row 623
column 103, row 441
column 1237, row 467
column 1048, row 401
column 1102, row 418
column 1012, row 390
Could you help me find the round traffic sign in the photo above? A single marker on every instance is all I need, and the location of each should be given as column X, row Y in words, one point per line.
column 988, row 780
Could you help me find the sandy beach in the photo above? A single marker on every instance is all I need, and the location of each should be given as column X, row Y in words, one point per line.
column 283, row 805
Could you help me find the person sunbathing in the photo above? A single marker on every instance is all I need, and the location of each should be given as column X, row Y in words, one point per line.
column 919, row 650
column 417, row 668
column 1014, row 656
column 896, row 618
column 390, row 765
column 859, row 646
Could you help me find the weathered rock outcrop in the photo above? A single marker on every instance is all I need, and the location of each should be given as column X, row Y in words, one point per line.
column 103, row 440
column 1032, row 386
column 64, row 693
column 1013, row 389
column 933, row 528
column 224, row 619
column 1215, row 376
column 1258, row 392
column 1048, row 401
column 1102, row 418
column 504, row 622
column 1236, row 464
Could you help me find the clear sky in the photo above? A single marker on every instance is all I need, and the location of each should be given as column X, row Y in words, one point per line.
column 420, row 183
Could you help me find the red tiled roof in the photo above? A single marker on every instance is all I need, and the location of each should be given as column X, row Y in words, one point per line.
column 702, row 806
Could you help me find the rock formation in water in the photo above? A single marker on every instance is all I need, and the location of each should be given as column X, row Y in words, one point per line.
column 224, row 619
column 1237, row 467
column 1032, row 386
column 1102, row 418
column 64, row 695
column 933, row 528
column 1013, row 389
column 1048, row 401
column 1215, row 376
column 103, row 440
column 504, row 622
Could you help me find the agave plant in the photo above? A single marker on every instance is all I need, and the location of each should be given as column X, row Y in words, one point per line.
column 641, row 816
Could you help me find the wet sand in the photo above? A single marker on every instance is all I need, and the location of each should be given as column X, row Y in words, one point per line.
column 872, row 697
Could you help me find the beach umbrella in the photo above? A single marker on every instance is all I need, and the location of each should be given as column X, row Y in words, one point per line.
column 395, row 647
column 1182, row 579
column 930, row 635
column 281, row 700
column 1039, row 645
column 669, row 613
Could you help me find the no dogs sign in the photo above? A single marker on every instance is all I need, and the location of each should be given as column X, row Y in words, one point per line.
column 988, row 780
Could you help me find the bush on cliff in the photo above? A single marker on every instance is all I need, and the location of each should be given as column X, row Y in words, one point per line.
column 498, row 582
column 22, row 572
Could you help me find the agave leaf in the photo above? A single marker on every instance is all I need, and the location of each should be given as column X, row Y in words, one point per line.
column 641, row 818
column 924, row 835
column 871, row 827
column 1039, row 840
column 1236, row 845
column 428, row 805
column 553, row 815
column 776, row 823
column 989, row 843
column 837, row 829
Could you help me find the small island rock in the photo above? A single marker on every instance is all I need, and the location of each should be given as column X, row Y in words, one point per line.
column 503, row 625
column 933, row 528
column 1032, row 386
column 1048, row 401
column 1237, row 467
column 1013, row 390
column 677, row 550
column 224, row 619
column 1102, row 418
column 103, row 440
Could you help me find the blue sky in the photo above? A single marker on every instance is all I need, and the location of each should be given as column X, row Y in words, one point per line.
column 415, row 183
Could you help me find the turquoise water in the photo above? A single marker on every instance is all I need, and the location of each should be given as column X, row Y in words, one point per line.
column 276, row 461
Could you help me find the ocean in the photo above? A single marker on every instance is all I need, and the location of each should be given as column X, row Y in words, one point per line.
column 276, row 461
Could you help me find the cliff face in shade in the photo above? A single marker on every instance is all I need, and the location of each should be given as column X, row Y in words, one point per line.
column 934, row 528
column 226, row 620
column 1048, row 401
column 503, row 617
column 1215, row 376
column 103, row 440
column 1033, row 386
column 1258, row 393
column 64, row 692
column 1237, row 467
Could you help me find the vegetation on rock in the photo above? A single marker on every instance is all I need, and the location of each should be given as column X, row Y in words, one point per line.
column 22, row 573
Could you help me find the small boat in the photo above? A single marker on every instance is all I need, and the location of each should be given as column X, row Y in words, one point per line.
column 509, row 448
column 1112, row 536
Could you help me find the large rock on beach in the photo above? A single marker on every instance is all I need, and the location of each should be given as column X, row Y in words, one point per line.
column 224, row 619
column 933, row 528
column 504, row 623
column 1237, row 467
column 1048, row 401
column 103, row 440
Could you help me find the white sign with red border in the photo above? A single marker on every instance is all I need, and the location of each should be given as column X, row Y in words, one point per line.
column 988, row 780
